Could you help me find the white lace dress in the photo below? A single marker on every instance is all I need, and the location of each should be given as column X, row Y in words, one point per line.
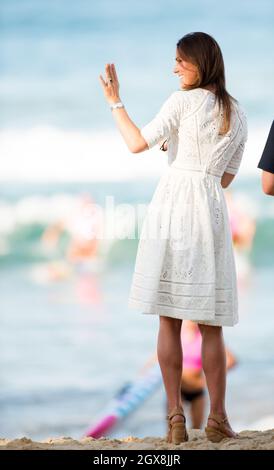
column 185, row 264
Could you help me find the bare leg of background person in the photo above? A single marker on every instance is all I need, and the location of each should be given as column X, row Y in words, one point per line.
column 197, row 412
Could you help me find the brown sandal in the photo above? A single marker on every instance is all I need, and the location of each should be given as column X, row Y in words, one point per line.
column 177, row 432
column 216, row 434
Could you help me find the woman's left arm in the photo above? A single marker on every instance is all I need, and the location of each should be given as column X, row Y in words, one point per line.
column 130, row 132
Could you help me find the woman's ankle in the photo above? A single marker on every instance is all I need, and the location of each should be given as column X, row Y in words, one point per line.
column 175, row 405
column 218, row 410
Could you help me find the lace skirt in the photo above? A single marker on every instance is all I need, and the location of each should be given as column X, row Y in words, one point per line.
column 185, row 265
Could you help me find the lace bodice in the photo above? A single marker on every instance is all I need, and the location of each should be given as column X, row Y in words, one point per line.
column 191, row 120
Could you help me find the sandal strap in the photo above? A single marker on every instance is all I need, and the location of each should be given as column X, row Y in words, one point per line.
column 218, row 419
column 176, row 411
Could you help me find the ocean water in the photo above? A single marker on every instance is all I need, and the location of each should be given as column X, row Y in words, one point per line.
column 67, row 348
column 53, row 52
column 54, row 116
column 68, row 341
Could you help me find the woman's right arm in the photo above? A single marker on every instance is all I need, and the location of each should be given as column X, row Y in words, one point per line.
column 233, row 165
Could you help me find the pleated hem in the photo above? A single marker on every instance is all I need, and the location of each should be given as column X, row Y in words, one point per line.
column 197, row 316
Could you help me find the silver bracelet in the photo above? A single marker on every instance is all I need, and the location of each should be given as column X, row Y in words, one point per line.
column 117, row 105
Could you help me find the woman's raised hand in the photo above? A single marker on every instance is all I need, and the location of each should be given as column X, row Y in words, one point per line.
column 111, row 84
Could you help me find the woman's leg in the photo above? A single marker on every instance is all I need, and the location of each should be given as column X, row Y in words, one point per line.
column 170, row 355
column 214, row 365
column 197, row 412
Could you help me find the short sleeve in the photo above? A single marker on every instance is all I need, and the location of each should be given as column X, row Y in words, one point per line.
column 235, row 161
column 266, row 162
column 165, row 122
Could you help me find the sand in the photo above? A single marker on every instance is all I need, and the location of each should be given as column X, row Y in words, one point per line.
column 255, row 440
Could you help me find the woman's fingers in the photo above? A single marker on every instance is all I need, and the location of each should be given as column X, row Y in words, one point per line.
column 111, row 89
column 108, row 76
column 102, row 81
column 109, row 72
column 114, row 73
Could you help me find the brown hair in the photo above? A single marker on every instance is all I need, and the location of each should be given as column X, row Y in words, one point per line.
column 202, row 50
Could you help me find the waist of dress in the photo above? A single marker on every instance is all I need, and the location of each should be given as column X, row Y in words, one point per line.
column 199, row 172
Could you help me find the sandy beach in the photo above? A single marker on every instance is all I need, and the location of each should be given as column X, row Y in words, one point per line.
column 248, row 440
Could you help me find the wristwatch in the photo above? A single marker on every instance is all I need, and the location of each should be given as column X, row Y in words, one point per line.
column 117, row 105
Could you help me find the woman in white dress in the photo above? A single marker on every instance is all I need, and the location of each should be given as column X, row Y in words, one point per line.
column 185, row 265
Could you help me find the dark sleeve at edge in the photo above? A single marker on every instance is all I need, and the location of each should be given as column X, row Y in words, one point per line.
column 266, row 162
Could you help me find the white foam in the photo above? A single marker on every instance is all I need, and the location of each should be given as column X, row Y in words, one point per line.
column 50, row 154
